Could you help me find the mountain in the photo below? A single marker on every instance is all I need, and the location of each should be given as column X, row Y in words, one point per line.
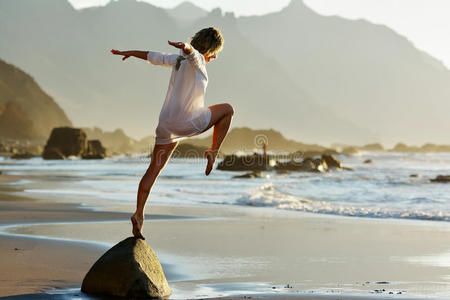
column 117, row 142
column 26, row 111
column 367, row 72
column 247, row 139
column 316, row 79
column 186, row 12
column 73, row 62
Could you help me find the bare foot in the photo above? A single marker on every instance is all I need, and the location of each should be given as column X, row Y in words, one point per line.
column 138, row 222
column 211, row 155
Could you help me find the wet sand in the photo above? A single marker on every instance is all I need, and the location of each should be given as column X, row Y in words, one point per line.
column 214, row 251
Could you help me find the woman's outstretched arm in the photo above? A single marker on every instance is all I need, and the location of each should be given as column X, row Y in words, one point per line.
column 153, row 57
column 135, row 53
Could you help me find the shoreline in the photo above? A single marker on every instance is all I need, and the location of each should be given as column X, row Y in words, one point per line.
column 238, row 244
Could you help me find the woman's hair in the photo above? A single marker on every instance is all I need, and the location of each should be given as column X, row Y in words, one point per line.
column 207, row 41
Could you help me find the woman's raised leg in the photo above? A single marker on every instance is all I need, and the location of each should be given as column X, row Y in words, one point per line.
column 221, row 116
column 160, row 156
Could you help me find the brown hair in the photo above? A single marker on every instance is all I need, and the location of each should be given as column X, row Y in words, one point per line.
column 207, row 41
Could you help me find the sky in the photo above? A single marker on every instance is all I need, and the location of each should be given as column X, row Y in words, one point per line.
column 425, row 23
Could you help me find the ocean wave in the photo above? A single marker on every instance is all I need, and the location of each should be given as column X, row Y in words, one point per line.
column 172, row 176
column 268, row 195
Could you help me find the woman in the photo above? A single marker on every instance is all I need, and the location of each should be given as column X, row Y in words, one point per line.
column 184, row 113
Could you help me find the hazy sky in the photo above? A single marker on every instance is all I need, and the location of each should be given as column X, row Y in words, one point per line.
column 425, row 22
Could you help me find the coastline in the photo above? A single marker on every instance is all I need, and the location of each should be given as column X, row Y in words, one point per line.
column 227, row 252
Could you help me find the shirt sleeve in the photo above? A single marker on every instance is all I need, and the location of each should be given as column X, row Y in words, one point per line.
column 161, row 59
column 196, row 59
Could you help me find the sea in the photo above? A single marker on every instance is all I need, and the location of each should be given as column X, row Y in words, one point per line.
column 393, row 185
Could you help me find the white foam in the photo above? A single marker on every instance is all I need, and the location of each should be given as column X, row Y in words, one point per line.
column 268, row 195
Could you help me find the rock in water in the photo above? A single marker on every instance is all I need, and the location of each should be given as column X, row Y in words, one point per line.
column 442, row 178
column 65, row 142
column 95, row 150
column 129, row 269
column 332, row 162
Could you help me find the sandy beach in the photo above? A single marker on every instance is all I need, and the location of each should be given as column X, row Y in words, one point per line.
column 209, row 251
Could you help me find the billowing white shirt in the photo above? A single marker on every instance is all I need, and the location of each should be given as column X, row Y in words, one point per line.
column 183, row 113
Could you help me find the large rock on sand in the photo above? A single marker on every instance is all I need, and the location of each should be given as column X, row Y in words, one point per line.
column 129, row 269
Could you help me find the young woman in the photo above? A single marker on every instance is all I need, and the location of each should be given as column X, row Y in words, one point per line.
column 183, row 113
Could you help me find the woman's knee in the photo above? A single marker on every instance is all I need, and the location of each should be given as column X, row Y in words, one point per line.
column 229, row 108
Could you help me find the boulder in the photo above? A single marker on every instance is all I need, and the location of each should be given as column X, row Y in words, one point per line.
column 250, row 175
column 367, row 161
column 320, row 165
column 373, row 147
column 129, row 269
column 350, row 150
column 52, row 153
column 94, row 150
column 308, row 165
column 332, row 162
column 255, row 162
column 25, row 155
column 292, row 165
column 442, row 179
column 65, row 141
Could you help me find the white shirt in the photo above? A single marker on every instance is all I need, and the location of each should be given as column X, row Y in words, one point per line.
column 183, row 113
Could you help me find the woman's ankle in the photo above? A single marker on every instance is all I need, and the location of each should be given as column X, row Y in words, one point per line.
column 139, row 215
column 213, row 151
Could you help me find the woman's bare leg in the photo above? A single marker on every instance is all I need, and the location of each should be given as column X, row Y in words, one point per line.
column 221, row 116
column 160, row 156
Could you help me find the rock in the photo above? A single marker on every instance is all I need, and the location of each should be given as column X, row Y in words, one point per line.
column 320, row 165
column 250, row 175
column 401, row 147
column 350, row 150
column 53, row 153
column 435, row 148
column 373, row 147
column 65, row 141
column 442, row 179
column 332, row 162
column 368, row 161
column 26, row 155
column 94, row 150
column 308, row 165
column 129, row 269
column 292, row 165
column 414, row 175
column 255, row 162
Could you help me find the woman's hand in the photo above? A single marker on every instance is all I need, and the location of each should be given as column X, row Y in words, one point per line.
column 125, row 54
column 183, row 46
